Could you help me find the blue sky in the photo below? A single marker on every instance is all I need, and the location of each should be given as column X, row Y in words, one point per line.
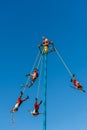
column 22, row 24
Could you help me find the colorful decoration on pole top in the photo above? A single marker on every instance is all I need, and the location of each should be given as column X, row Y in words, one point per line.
column 46, row 46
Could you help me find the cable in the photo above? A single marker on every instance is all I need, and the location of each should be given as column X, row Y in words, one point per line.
column 39, row 62
column 12, row 118
column 38, row 90
column 25, row 86
column 63, row 62
column 35, row 61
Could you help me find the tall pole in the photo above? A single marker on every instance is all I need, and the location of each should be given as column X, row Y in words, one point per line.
column 45, row 90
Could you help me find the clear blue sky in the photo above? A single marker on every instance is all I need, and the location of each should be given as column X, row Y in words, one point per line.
column 22, row 24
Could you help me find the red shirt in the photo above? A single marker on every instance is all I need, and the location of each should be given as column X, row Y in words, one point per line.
column 36, row 73
column 76, row 83
column 36, row 106
column 19, row 101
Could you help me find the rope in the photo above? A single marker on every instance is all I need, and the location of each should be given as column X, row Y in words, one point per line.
column 24, row 88
column 12, row 118
column 63, row 62
column 39, row 62
column 35, row 61
column 38, row 90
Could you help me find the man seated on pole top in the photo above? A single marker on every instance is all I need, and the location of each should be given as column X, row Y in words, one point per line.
column 45, row 43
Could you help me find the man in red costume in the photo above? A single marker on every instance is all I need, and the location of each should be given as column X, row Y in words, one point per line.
column 19, row 102
column 35, row 112
column 77, row 84
column 45, row 43
column 34, row 76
